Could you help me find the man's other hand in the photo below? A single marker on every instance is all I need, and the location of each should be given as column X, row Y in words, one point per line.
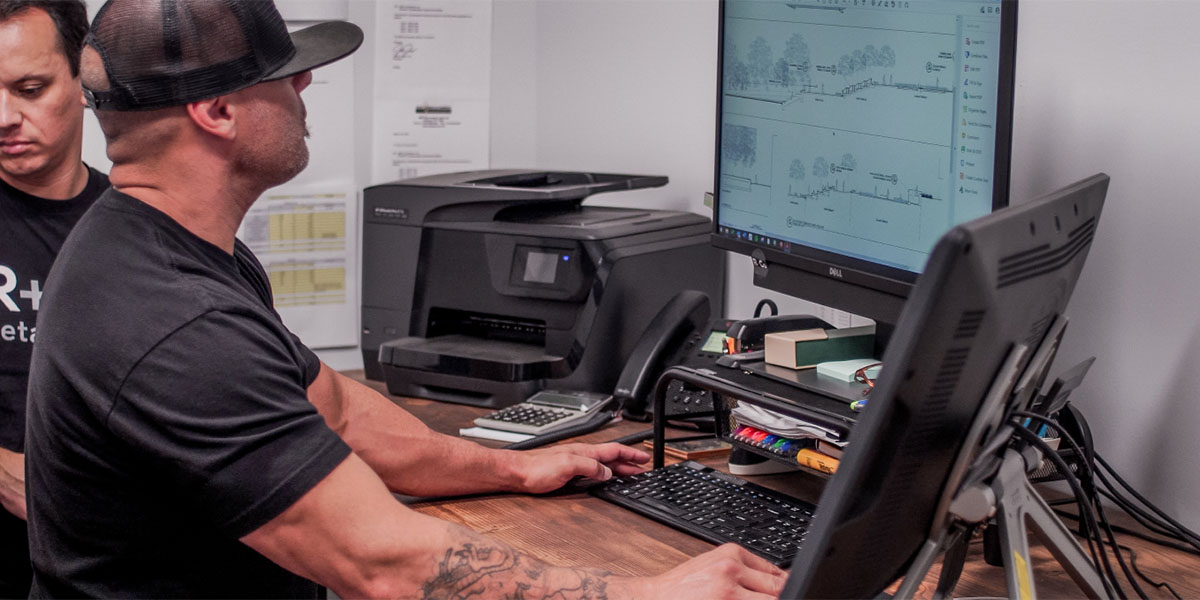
column 726, row 572
column 547, row 469
column 12, row 482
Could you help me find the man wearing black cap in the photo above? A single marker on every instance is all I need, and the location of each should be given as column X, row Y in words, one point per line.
column 182, row 442
column 44, row 189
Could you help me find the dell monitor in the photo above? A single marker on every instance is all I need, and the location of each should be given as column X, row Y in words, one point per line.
column 852, row 134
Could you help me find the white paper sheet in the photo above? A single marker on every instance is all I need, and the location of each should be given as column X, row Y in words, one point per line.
column 414, row 137
column 484, row 433
column 432, row 64
column 305, row 239
column 438, row 46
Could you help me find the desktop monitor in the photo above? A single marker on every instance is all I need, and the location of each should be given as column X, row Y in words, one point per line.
column 995, row 284
column 851, row 134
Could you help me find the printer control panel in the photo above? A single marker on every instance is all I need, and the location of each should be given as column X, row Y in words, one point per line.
column 541, row 267
column 527, row 267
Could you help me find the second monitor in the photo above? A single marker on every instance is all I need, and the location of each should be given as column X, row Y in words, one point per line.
column 852, row 135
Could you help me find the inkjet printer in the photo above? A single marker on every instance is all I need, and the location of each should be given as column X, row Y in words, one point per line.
column 484, row 287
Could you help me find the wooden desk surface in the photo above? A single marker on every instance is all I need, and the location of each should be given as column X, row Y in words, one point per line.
column 576, row 529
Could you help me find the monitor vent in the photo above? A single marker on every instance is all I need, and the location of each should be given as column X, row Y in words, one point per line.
column 928, row 424
column 1044, row 259
column 947, row 378
column 928, row 431
column 968, row 324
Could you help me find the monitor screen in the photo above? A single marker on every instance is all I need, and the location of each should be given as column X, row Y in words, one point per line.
column 852, row 134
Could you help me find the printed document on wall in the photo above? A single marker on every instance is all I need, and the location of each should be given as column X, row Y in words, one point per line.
column 432, row 87
column 305, row 239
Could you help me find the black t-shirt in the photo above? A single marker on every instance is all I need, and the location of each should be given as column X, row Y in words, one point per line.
column 32, row 229
column 168, row 416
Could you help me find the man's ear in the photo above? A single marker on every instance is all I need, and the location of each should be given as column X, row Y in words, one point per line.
column 214, row 116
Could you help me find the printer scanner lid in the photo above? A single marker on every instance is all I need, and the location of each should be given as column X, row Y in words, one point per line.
column 534, row 184
column 515, row 197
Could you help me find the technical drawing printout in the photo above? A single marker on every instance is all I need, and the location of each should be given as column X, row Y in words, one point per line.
column 862, row 130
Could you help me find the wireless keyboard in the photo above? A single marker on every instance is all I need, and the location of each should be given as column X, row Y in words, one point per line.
column 715, row 507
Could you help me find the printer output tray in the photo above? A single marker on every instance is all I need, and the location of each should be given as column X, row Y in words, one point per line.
column 469, row 356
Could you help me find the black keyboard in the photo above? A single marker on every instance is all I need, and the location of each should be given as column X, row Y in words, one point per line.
column 715, row 507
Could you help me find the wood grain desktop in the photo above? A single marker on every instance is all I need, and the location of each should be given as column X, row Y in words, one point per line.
column 572, row 528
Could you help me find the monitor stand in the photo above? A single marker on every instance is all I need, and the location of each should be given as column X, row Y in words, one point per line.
column 1018, row 510
column 990, row 479
column 807, row 379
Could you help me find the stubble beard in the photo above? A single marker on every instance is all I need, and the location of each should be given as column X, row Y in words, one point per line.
column 297, row 159
column 278, row 165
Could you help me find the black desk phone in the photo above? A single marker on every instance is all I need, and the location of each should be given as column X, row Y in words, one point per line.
column 683, row 334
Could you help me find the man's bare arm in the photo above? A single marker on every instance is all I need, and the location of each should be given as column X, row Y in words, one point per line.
column 349, row 534
column 413, row 459
column 12, row 482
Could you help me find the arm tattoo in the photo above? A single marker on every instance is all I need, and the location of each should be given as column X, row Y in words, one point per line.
column 488, row 570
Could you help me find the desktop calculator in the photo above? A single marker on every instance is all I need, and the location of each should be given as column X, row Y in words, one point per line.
column 544, row 411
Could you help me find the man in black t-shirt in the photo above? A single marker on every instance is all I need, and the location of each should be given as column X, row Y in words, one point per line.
column 181, row 442
column 44, row 189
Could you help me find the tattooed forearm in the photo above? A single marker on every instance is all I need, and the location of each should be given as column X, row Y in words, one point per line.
column 485, row 569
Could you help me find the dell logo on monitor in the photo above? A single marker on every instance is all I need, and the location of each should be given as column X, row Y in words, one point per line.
column 835, row 272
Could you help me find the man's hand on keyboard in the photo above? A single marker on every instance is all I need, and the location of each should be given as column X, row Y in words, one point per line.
column 547, row 469
column 729, row 571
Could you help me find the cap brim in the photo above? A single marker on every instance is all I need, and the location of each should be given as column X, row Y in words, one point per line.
column 319, row 45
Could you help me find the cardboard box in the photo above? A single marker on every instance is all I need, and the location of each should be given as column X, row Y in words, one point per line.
column 805, row 348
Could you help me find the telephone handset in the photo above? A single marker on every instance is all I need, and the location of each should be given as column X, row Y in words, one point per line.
column 682, row 334
column 672, row 335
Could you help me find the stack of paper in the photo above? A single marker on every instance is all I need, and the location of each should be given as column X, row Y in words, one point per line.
column 780, row 425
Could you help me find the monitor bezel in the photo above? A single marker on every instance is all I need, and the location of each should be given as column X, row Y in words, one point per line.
column 890, row 284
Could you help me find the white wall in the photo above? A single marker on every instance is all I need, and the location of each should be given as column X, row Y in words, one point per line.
column 618, row 86
column 1111, row 86
column 1102, row 85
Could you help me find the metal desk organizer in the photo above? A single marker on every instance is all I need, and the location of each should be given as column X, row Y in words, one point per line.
column 728, row 389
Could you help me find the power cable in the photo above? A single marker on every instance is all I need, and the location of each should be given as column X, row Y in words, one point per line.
column 1089, row 485
column 1100, row 557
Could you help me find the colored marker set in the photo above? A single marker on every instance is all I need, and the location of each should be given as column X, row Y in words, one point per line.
column 766, row 441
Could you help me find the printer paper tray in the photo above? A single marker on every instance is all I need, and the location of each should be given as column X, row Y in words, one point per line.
column 469, row 356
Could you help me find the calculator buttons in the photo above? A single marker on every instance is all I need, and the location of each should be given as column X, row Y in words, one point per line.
column 529, row 418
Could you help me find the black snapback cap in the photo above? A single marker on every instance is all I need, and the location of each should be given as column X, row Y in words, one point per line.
column 161, row 53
